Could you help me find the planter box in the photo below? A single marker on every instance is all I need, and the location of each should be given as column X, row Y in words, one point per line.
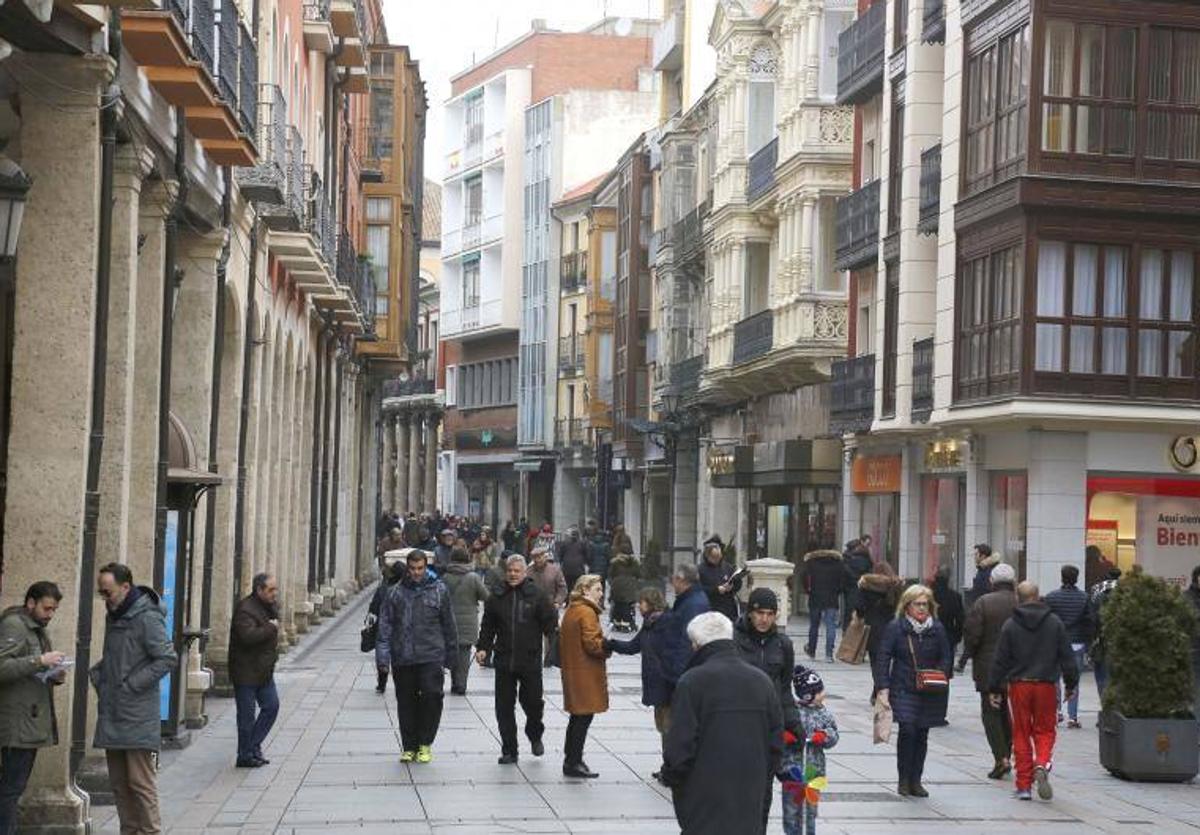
column 1149, row 750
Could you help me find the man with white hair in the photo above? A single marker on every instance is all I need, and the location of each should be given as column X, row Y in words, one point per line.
column 726, row 736
column 981, row 633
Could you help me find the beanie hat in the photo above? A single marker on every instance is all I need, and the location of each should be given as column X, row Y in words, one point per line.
column 1003, row 573
column 764, row 600
column 807, row 684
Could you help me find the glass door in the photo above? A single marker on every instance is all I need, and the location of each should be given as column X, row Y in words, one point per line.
column 942, row 530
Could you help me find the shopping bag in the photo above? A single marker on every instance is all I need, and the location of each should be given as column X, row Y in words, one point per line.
column 853, row 648
column 369, row 634
column 883, row 723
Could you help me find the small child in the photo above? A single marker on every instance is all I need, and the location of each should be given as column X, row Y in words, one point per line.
column 803, row 769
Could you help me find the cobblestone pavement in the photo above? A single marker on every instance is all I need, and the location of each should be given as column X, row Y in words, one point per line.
column 335, row 767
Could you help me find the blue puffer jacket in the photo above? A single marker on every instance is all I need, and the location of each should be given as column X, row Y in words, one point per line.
column 677, row 649
column 416, row 625
column 895, row 672
column 656, row 687
column 1071, row 606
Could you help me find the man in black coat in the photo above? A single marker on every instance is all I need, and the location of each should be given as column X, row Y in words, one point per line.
column 1071, row 605
column 726, row 736
column 253, row 650
column 515, row 620
column 763, row 646
column 824, row 579
column 573, row 558
column 1034, row 649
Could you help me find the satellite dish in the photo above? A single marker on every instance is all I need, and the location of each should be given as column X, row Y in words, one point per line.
column 623, row 27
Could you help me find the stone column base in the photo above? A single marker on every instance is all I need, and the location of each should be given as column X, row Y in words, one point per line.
column 56, row 811
column 301, row 615
column 327, row 601
column 773, row 574
column 317, row 601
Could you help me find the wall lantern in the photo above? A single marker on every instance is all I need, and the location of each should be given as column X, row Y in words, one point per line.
column 14, row 185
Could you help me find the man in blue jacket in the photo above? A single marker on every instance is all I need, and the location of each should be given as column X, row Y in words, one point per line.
column 690, row 600
column 1071, row 606
column 418, row 638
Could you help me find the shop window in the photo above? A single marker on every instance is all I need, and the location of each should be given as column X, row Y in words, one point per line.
column 880, row 520
column 1151, row 522
column 942, row 511
column 1008, row 516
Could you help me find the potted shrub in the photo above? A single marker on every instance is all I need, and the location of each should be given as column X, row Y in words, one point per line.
column 1147, row 730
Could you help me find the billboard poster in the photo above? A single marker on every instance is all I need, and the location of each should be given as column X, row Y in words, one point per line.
column 1168, row 536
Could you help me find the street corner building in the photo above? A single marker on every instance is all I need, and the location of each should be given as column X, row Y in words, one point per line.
column 209, row 284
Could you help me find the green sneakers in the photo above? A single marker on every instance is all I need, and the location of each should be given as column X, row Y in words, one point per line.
column 424, row 754
column 408, row 756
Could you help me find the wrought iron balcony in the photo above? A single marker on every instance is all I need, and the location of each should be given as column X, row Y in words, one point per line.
column 318, row 26
column 760, row 175
column 411, row 387
column 198, row 22
column 753, row 336
column 852, row 394
column 933, row 29
column 860, row 56
column 225, row 66
column 687, row 235
column 931, row 190
column 248, row 81
column 570, row 432
column 364, row 293
column 685, row 375
column 266, row 183
column 573, row 272
column 858, row 228
column 288, row 215
column 318, row 216
column 922, row 380
column 570, row 354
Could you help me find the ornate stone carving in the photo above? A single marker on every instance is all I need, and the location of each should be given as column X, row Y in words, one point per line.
column 836, row 125
column 829, row 321
column 764, row 62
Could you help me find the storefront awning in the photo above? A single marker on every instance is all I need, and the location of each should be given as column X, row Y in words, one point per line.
column 796, row 463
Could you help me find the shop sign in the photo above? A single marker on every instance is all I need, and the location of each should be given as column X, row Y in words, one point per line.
column 876, row 474
column 944, row 454
column 1168, row 536
column 720, row 461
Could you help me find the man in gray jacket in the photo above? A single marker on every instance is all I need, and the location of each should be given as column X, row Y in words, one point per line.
column 28, row 668
column 417, row 637
column 137, row 653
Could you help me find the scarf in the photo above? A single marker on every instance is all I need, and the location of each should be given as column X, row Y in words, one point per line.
column 919, row 627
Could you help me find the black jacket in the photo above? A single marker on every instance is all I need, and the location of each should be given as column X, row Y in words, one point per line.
column 857, row 562
column 773, row 653
column 1033, row 646
column 253, row 642
column 824, row 578
column 514, row 621
column 712, row 576
column 724, row 744
column 949, row 611
column 1071, row 606
column 573, row 558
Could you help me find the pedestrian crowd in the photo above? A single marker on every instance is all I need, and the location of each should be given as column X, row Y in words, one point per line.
column 736, row 714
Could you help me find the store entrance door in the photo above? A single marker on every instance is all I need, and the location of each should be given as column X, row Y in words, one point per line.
column 943, row 502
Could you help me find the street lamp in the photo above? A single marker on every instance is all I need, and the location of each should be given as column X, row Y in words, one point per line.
column 14, row 185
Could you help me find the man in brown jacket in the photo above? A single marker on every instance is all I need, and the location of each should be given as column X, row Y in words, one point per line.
column 253, row 649
column 981, row 633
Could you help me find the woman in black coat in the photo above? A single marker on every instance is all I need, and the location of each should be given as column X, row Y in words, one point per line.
column 915, row 640
column 950, row 609
column 878, row 594
column 714, row 579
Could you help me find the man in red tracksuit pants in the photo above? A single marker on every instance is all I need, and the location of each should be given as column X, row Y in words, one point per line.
column 1034, row 649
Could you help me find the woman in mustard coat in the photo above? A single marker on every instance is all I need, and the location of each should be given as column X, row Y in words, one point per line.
column 585, row 680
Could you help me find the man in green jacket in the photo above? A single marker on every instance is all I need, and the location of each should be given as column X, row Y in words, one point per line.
column 26, row 704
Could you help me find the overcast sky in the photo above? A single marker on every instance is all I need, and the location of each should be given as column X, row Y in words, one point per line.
column 445, row 34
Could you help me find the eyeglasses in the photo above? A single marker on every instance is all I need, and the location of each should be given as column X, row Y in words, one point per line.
column 924, row 604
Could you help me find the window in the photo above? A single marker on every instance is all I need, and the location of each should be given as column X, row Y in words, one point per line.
column 470, row 283
column 378, row 253
column 1173, row 122
column 1114, row 311
column 997, row 111
column 900, row 25
column 989, row 328
column 473, row 202
column 896, row 159
column 379, row 209
column 473, row 119
column 451, row 385
column 383, row 110
column 760, row 121
column 891, row 336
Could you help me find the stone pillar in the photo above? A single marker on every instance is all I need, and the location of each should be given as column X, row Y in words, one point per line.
column 54, row 321
column 431, row 456
column 399, row 468
column 387, row 488
column 773, row 574
column 414, row 464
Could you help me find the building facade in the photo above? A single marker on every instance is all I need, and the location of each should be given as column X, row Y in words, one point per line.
column 207, row 418
column 1033, row 366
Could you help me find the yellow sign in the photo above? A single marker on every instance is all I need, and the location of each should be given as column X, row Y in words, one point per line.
column 720, row 461
column 946, row 454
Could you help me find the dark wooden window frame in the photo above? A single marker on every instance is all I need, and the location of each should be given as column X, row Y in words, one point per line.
column 989, row 311
column 1008, row 100
column 891, row 336
column 896, row 158
column 900, row 25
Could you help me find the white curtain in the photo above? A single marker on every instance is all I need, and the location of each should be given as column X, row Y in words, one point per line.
column 1150, row 294
column 1116, row 260
column 1052, row 277
column 1083, row 296
column 1182, row 280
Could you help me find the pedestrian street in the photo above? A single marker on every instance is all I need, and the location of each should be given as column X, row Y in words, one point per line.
column 335, row 766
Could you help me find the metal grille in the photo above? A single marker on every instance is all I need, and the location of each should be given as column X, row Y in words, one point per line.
column 202, row 32
column 248, row 82
column 294, row 197
column 226, row 65
column 316, row 9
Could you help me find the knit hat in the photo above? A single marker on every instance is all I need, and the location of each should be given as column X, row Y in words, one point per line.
column 1003, row 573
column 807, row 684
column 764, row 600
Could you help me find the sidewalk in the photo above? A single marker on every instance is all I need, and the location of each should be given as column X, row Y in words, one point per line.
column 335, row 767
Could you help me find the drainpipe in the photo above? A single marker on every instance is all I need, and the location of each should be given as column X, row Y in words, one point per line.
column 172, row 278
column 239, row 514
column 91, row 513
column 323, row 519
column 314, row 497
column 337, row 463
column 214, row 420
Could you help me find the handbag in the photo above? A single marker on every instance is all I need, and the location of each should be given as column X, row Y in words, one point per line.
column 369, row 634
column 928, row 680
column 853, row 648
column 882, row 723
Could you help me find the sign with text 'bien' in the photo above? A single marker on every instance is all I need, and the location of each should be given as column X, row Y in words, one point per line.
column 1168, row 536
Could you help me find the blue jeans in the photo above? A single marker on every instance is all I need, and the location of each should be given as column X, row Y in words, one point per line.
column 1101, row 671
column 798, row 818
column 815, row 618
column 1073, row 703
column 253, row 730
column 17, row 765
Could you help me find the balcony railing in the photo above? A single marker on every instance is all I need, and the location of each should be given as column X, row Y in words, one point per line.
column 860, row 56
column 572, row 271
column 482, row 314
column 852, row 394
column 858, row 228
column 667, row 46
column 317, row 10
column 922, row 380
column 687, row 235
column 570, row 354
column 931, row 190
column 347, row 260
column 265, row 182
column 752, row 337
column 411, row 387
column 225, row 66
column 760, row 176
column 319, row 216
column 248, row 82
column 471, row 231
column 685, row 375
column 933, row 29
column 198, row 22
column 364, row 292
column 569, row 432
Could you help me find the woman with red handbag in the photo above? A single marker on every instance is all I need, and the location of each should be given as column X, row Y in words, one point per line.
column 912, row 674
